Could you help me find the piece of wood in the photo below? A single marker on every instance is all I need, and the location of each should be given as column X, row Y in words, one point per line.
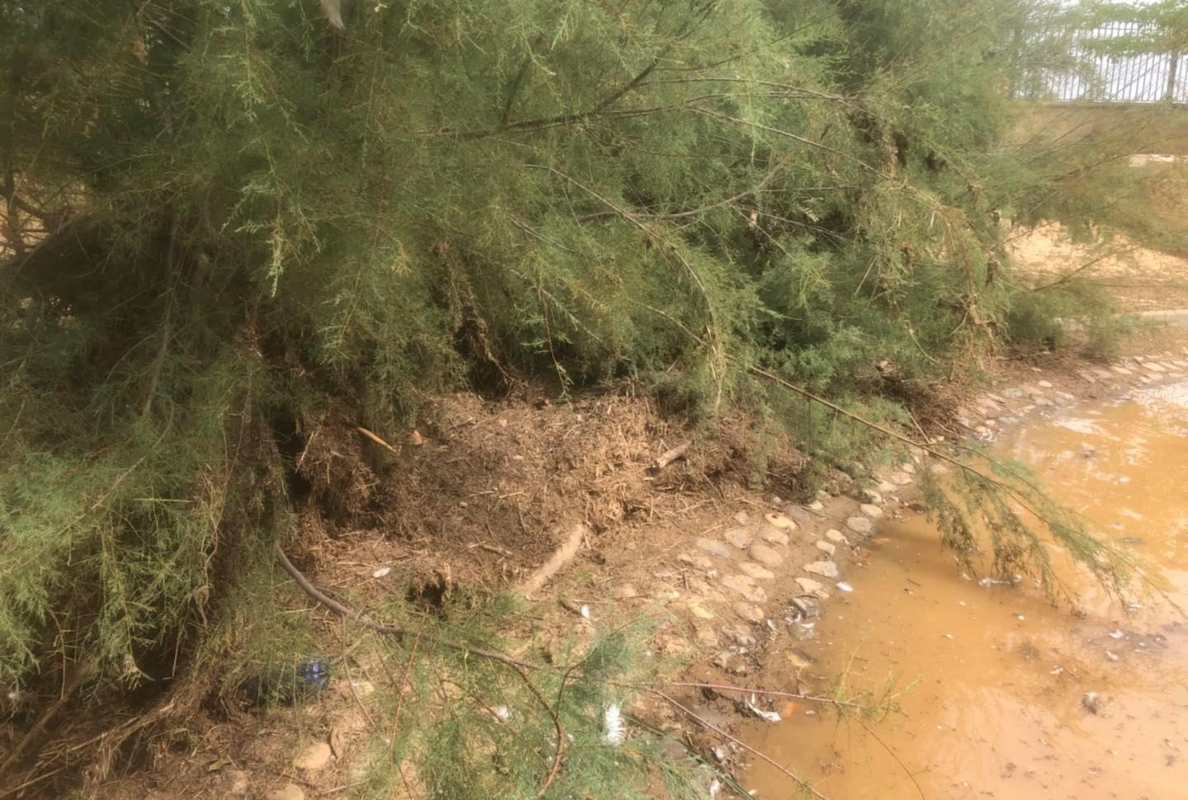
column 672, row 455
column 561, row 556
column 376, row 439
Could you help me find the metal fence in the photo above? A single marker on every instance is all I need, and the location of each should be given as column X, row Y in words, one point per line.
column 1104, row 78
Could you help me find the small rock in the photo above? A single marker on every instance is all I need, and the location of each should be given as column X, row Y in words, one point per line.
column 626, row 592
column 765, row 555
column 886, row 487
column 908, row 467
column 695, row 560
column 826, row 547
column 700, row 611
column 938, row 469
column 1092, row 702
column 812, row 588
column 859, row 525
column 706, row 636
column 817, row 505
column 1044, row 384
column 739, row 537
column 740, row 635
column 844, row 587
column 780, row 521
column 826, row 569
column 314, row 757
column 716, row 548
column 361, row 688
column 750, row 613
column 382, row 572
column 871, row 496
column 757, row 572
column 290, row 791
column 774, row 535
column 742, row 518
column 871, row 510
column 807, row 606
column 239, row 782
column 836, row 536
column 798, row 660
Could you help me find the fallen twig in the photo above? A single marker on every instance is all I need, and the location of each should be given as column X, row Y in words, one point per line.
column 672, row 455
column 722, row 687
column 562, row 556
column 376, row 439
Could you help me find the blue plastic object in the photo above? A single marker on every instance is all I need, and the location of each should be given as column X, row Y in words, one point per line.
column 286, row 685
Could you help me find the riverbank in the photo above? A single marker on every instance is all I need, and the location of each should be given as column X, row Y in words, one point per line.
column 981, row 689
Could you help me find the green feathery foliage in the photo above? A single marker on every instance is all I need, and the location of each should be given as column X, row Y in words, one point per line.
column 224, row 218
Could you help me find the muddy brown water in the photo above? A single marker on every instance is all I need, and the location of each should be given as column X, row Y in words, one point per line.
column 990, row 681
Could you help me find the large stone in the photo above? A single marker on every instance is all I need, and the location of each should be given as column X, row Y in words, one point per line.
column 812, row 588
column 759, row 573
column 749, row 612
column 826, row 569
column 871, row 510
column 745, row 586
column 860, row 525
column 780, row 521
column 314, row 757
column 774, row 535
column 739, row 537
column 836, row 536
column 715, row 548
column 765, row 555
column 826, row 547
column 290, row 791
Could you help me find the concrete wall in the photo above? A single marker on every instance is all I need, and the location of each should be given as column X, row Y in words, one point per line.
column 1140, row 128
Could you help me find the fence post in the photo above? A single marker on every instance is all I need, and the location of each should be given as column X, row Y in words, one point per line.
column 1172, row 76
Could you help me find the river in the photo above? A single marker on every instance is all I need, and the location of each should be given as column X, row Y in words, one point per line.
column 991, row 683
